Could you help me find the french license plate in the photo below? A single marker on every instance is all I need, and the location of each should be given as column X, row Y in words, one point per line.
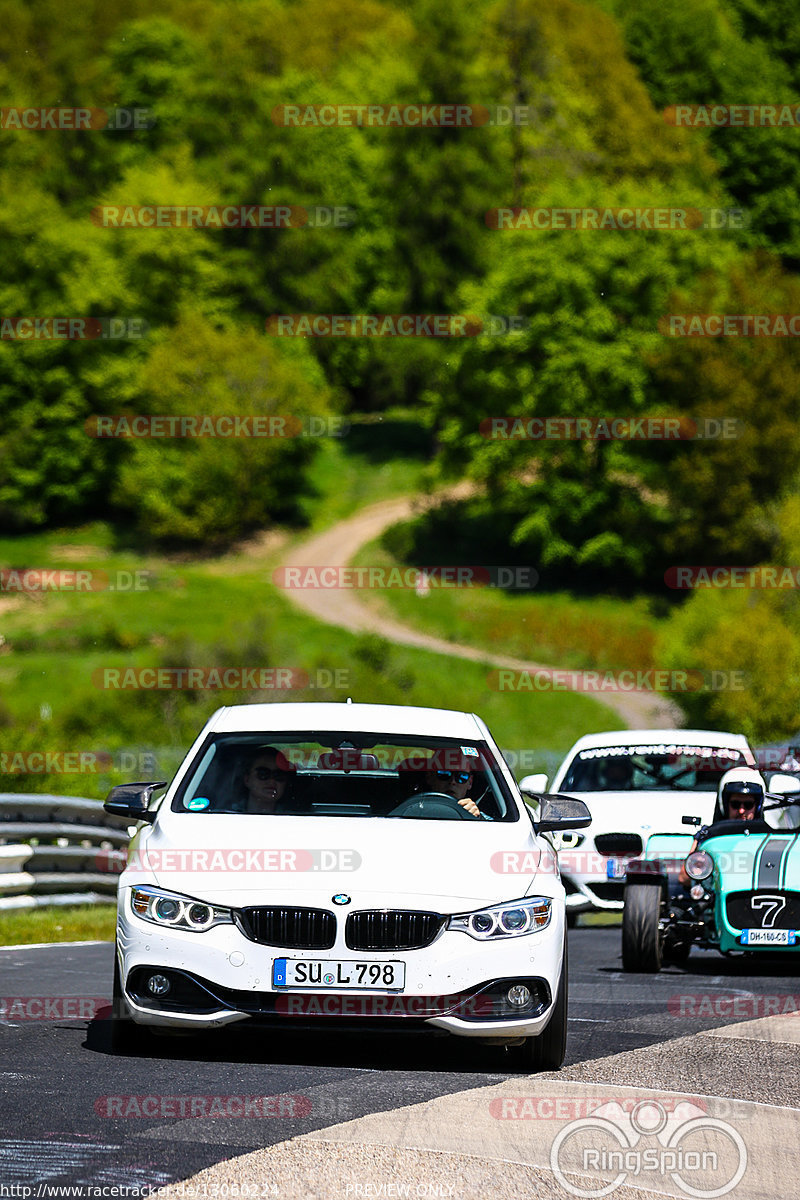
column 616, row 868
column 338, row 973
column 769, row 937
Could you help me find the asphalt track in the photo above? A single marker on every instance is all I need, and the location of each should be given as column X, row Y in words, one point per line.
column 387, row 1109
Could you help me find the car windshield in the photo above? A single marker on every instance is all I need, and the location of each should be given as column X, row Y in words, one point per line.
column 344, row 774
column 655, row 768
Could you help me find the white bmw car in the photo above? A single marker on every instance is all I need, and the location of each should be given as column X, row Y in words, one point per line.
column 635, row 782
column 344, row 867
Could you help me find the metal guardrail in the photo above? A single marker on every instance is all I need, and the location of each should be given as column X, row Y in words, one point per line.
column 58, row 850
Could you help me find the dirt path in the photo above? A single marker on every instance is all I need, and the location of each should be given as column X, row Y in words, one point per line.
column 337, row 546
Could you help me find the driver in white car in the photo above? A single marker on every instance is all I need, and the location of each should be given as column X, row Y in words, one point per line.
column 455, row 784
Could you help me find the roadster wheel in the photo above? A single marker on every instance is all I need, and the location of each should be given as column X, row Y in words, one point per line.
column 641, row 938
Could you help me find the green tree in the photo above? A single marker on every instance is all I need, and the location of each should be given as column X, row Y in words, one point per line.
column 206, row 490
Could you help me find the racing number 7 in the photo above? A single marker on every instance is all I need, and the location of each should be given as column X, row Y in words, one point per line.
column 772, row 904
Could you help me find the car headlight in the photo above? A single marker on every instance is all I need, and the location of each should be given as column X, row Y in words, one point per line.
column 699, row 865
column 504, row 920
column 177, row 912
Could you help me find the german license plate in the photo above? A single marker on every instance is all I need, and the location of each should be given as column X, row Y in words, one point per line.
column 338, row 973
column 616, row 868
column 769, row 937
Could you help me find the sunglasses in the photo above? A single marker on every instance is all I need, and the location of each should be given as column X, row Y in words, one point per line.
column 265, row 773
column 458, row 776
column 741, row 802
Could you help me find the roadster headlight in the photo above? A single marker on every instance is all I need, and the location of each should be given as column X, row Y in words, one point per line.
column 177, row 912
column 699, row 865
column 504, row 920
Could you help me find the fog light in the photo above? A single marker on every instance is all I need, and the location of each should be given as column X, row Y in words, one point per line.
column 519, row 995
column 158, row 985
column 697, row 891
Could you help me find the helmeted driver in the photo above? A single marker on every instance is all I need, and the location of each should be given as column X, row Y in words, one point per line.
column 740, row 797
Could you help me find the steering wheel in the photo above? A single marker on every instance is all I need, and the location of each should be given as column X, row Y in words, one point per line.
column 433, row 806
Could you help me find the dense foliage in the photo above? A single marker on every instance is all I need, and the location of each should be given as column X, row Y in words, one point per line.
column 593, row 80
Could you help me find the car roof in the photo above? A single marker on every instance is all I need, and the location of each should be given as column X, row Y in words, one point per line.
column 660, row 737
column 364, row 718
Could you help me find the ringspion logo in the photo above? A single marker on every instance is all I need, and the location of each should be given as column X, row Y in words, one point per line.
column 703, row 1155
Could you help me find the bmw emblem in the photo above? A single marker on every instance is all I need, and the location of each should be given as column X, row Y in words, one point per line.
column 341, row 898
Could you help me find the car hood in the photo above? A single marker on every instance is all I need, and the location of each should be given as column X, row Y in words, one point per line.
column 755, row 861
column 644, row 812
column 452, row 865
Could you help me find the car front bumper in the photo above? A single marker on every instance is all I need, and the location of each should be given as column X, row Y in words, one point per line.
column 454, row 985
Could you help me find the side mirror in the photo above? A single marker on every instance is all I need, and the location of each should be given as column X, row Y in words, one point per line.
column 532, row 785
column 562, row 812
column 133, row 800
column 691, row 821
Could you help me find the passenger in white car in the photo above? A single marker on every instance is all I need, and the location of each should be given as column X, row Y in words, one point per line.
column 268, row 778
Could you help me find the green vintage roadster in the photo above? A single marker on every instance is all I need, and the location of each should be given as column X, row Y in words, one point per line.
column 732, row 887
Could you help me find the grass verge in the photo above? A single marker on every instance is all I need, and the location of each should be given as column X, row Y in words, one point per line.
column 550, row 628
column 83, row 923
